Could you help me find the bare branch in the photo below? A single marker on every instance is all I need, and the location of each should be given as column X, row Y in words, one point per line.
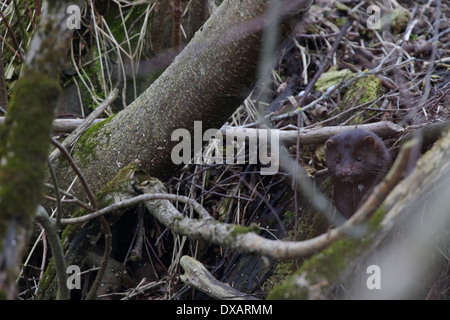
column 57, row 251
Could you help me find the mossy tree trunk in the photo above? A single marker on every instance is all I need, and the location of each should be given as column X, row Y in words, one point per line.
column 24, row 139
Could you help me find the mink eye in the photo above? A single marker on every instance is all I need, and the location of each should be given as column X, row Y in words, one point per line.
column 358, row 159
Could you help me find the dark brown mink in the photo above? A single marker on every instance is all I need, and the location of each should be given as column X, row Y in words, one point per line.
column 357, row 161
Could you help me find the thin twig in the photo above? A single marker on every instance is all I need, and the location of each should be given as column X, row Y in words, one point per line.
column 57, row 251
column 83, row 180
column 57, row 193
column 300, row 102
column 136, row 200
column 72, row 198
column 13, row 36
column 101, row 271
column 264, row 199
column 324, row 64
column 336, row 89
column 427, row 78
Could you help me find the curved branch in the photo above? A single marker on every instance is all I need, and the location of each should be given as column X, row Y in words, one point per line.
column 136, row 200
column 244, row 239
column 98, row 279
column 75, row 168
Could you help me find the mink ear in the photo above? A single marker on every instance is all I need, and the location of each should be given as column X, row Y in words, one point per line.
column 329, row 144
column 369, row 140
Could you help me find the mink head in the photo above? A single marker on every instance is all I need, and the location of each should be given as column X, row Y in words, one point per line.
column 356, row 156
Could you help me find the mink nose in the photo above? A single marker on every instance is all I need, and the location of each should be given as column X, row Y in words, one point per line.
column 346, row 171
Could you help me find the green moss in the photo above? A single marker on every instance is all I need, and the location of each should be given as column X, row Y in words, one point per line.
column 237, row 230
column 283, row 270
column 48, row 277
column 325, row 268
column 331, row 77
column 335, row 258
column 340, row 21
column 88, row 142
column 399, row 20
column 376, row 219
column 24, row 147
column 47, row 286
column 364, row 90
column 72, row 228
column 309, row 225
column 321, row 270
column 287, row 291
column 116, row 184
